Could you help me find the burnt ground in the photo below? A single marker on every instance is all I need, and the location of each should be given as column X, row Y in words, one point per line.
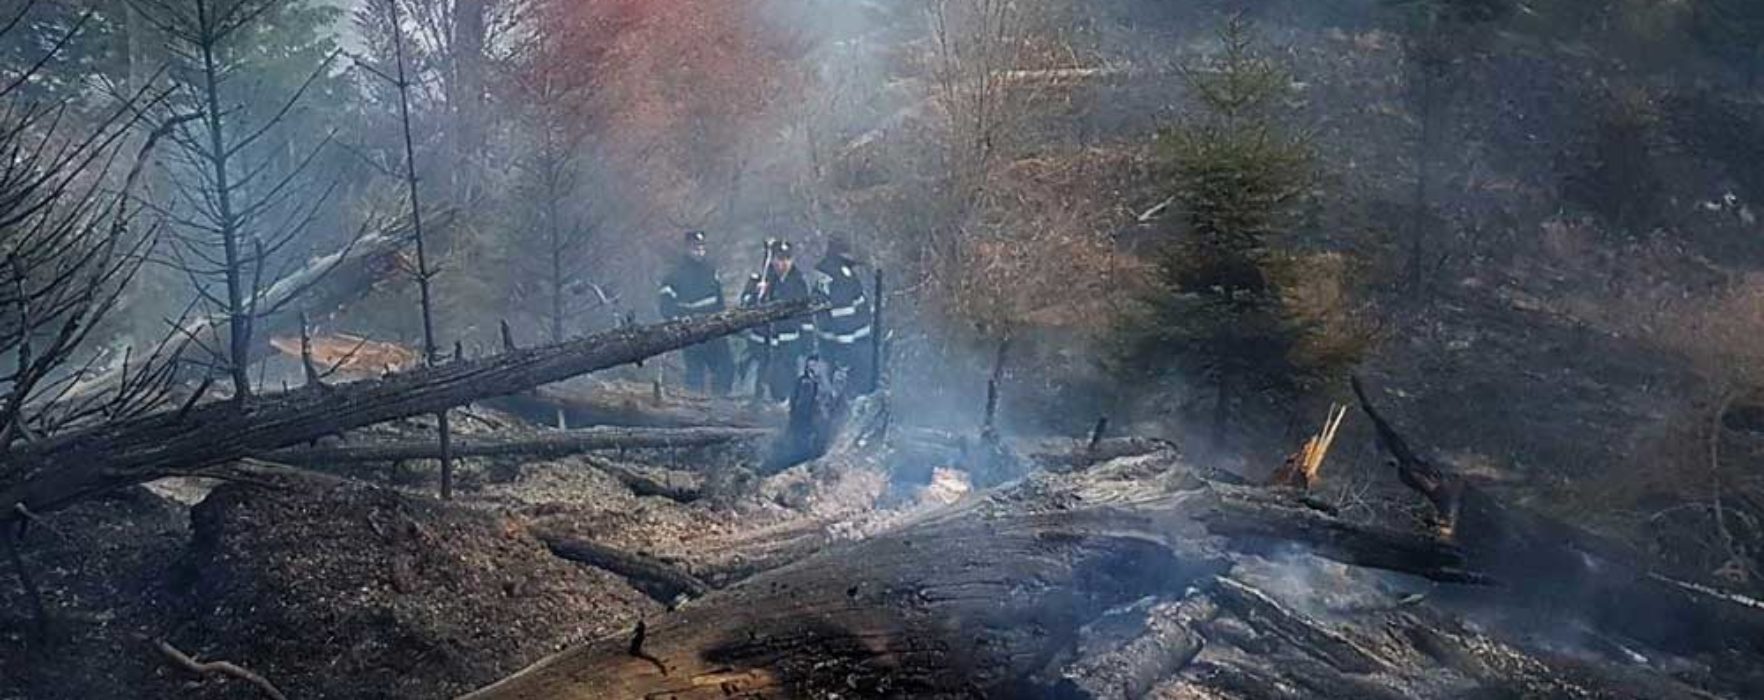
column 350, row 589
column 332, row 590
column 104, row 566
column 337, row 589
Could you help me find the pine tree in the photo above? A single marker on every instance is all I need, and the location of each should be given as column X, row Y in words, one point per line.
column 1238, row 175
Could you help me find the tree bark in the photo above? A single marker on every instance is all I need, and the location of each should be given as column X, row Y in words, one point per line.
column 632, row 404
column 53, row 473
column 537, row 445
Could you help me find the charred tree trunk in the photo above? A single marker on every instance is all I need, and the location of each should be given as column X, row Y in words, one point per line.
column 431, row 350
column 663, row 582
column 535, row 445
column 818, row 409
column 629, row 404
column 53, row 473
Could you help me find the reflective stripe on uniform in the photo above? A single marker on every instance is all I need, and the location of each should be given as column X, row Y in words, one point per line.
column 667, row 290
column 844, row 311
column 701, row 303
column 786, row 338
column 848, row 338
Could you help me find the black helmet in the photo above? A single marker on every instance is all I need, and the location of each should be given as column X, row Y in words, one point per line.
column 782, row 249
column 694, row 238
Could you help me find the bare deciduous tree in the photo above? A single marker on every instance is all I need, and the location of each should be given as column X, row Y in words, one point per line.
column 69, row 244
column 555, row 93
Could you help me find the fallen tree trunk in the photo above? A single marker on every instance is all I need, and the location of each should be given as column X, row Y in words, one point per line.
column 534, row 445
column 631, row 404
column 53, row 473
column 980, row 599
column 661, row 581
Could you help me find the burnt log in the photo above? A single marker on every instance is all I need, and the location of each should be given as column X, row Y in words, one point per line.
column 1167, row 641
column 1569, row 571
column 1337, row 650
column 53, row 473
column 537, row 445
column 819, row 406
column 631, row 404
column 1260, row 521
column 642, row 484
column 976, row 600
column 657, row 579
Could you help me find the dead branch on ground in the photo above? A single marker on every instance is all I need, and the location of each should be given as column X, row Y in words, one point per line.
column 224, row 668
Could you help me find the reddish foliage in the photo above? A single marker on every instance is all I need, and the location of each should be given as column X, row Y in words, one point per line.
column 674, row 89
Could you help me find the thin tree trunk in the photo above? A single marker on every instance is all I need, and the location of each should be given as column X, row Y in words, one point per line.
column 468, row 93
column 431, row 351
column 555, row 235
column 238, row 322
column 1221, row 414
column 1424, row 153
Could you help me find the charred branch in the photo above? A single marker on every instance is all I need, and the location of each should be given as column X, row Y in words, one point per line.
column 1571, row 568
column 642, row 484
column 224, row 668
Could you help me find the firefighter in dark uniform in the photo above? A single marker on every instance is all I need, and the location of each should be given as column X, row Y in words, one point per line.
column 785, row 344
column 844, row 331
column 691, row 288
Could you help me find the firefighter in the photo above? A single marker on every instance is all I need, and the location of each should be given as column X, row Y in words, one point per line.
column 691, row 288
column 844, row 331
column 791, row 340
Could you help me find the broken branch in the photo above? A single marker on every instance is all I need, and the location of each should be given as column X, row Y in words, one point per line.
column 225, row 668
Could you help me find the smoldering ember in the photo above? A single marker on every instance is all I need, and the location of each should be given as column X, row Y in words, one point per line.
column 1175, row 349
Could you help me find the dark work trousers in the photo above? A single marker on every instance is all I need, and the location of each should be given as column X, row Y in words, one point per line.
column 785, row 365
column 712, row 358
